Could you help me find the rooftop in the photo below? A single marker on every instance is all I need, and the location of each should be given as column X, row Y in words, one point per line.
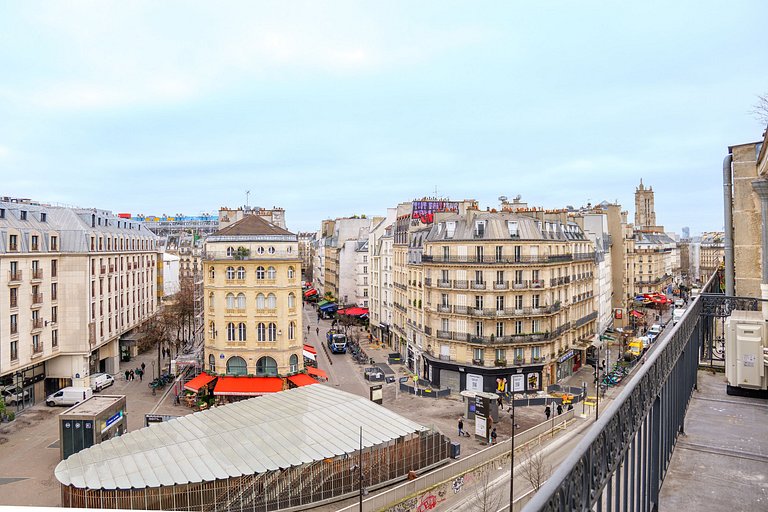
column 272, row 432
column 250, row 225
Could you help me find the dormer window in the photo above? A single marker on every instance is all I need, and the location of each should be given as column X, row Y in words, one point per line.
column 43, row 217
column 512, row 227
column 479, row 228
column 450, row 227
column 23, row 214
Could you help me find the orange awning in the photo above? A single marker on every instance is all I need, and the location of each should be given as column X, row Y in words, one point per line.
column 301, row 379
column 310, row 349
column 247, row 386
column 201, row 380
column 316, row 372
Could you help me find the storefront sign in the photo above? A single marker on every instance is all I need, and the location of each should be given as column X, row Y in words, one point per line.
column 377, row 394
column 565, row 356
column 474, row 382
column 533, row 381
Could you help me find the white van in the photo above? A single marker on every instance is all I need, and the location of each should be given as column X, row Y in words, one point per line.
column 677, row 315
column 69, row 396
column 100, row 381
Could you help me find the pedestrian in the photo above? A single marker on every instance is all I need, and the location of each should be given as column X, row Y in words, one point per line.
column 127, row 375
column 559, row 409
column 461, row 427
column 547, row 411
column 500, row 402
column 317, row 331
column 142, row 367
column 493, row 436
column 308, row 328
column 132, row 375
column 570, row 407
column 141, row 374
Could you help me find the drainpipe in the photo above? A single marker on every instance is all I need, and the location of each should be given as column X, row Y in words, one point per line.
column 760, row 186
column 728, row 213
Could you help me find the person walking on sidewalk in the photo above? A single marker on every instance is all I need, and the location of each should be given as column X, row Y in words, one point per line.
column 559, row 409
column 317, row 331
column 547, row 411
column 493, row 435
column 132, row 375
column 127, row 375
column 461, row 428
column 142, row 367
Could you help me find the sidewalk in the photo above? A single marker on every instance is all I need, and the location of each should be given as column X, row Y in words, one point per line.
column 30, row 444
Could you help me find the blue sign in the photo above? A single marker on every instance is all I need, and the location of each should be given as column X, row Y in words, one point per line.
column 114, row 418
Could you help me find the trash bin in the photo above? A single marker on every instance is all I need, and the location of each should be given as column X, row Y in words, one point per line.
column 455, row 449
column 390, row 379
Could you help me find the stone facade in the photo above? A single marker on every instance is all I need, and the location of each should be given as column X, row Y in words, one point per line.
column 252, row 293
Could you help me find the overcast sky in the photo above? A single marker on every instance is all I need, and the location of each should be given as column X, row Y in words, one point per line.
column 337, row 108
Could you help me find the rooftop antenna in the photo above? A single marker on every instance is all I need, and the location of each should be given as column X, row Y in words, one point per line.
column 435, row 191
column 247, row 196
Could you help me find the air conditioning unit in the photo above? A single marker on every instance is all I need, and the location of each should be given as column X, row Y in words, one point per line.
column 746, row 353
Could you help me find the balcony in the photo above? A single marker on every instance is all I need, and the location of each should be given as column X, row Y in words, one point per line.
column 586, row 319
column 111, row 269
column 444, row 308
column 263, row 311
column 493, row 260
column 36, row 349
column 581, row 297
column 14, row 329
column 37, row 274
column 235, row 311
column 14, row 302
column 507, row 312
column 37, row 323
column 442, row 284
column 461, row 284
column 37, row 299
column 504, row 285
column 528, row 283
column 103, row 269
column 14, row 277
column 478, row 285
column 500, row 362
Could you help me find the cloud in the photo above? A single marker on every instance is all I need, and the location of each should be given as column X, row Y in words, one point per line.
column 4, row 152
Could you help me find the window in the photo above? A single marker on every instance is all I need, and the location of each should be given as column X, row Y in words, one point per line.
column 54, row 338
column 291, row 272
column 271, row 301
column 241, row 301
column 14, row 351
column 293, row 363
column 535, row 301
column 54, row 243
column 499, row 253
column 479, row 228
column 212, row 363
column 36, row 345
column 479, row 328
column 291, row 330
column 478, row 302
column 260, row 302
column 211, row 273
column 365, row 270
column 13, row 242
column 444, row 325
column 260, row 250
column 479, row 253
column 477, row 354
column 446, row 252
column 236, row 366
column 261, row 332
column 499, row 303
column 519, row 353
column 230, row 272
column 517, row 253
column 535, row 326
column 230, row 331
column 271, row 250
column 230, row 301
column 518, row 277
column 500, row 277
column 241, row 333
column 259, row 272
column 54, row 314
column 230, row 251
column 266, row 367
column 14, row 324
column 54, row 268
column 271, row 273
column 536, row 353
column 519, row 327
column 241, row 273
column 479, row 276
column 500, row 329
column 23, row 214
column 501, row 354
column 291, row 300
column 272, row 331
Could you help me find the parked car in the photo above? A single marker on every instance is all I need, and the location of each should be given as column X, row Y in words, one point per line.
column 69, row 396
column 100, row 381
column 14, row 394
column 679, row 303
column 654, row 332
column 677, row 315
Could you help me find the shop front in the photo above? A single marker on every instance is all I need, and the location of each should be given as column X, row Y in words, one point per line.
column 565, row 364
column 24, row 388
column 449, row 374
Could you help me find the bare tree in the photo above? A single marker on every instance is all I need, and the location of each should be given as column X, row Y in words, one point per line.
column 760, row 109
column 487, row 497
column 535, row 469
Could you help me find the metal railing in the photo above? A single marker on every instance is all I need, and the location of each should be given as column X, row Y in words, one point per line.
column 622, row 460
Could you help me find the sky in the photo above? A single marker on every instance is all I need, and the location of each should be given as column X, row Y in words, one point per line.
column 331, row 109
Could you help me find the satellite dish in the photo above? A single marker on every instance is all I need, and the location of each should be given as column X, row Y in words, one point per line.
column 503, row 199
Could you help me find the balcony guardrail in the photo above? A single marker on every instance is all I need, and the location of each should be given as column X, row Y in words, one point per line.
column 37, row 274
column 37, row 299
column 493, row 260
column 634, row 439
column 14, row 276
column 478, row 285
column 36, row 349
column 37, row 323
column 503, row 285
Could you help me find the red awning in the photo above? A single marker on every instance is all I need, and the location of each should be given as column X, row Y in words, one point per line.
column 301, row 379
column 353, row 311
column 310, row 293
column 317, row 372
column 247, row 386
column 201, row 380
column 636, row 313
column 310, row 349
